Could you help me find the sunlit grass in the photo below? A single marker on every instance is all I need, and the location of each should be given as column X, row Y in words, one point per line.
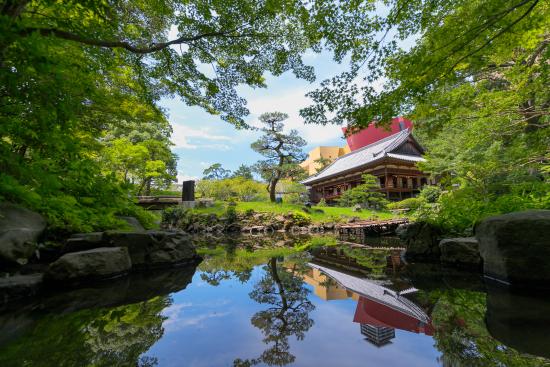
column 329, row 214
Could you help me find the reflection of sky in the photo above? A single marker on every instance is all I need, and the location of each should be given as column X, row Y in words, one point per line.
column 210, row 326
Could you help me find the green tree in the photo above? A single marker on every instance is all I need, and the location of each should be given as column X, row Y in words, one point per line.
column 243, row 171
column 322, row 163
column 282, row 151
column 215, row 172
column 75, row 76
column 364, row 194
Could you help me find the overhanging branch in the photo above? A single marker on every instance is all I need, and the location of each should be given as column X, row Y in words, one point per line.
column 126, row 45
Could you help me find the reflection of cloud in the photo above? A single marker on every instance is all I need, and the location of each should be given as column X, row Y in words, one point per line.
column 176, row 322
column 176, row 319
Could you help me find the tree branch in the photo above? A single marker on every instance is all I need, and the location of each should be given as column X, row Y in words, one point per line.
column 501, row 32
column 126, row 45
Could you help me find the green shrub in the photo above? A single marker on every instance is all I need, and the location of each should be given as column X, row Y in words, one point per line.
column 175, row 216
column 322, row 203
column 364, row 194
column 410, row 203
column 430, row 194
column 300, row 219
column 231, row 212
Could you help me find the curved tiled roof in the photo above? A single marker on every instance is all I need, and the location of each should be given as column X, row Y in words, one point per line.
column 376, row 292
column 367, row 154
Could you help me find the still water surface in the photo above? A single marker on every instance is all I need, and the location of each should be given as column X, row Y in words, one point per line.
column 249, row 305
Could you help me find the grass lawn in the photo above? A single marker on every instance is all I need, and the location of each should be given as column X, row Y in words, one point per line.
column 327, row 216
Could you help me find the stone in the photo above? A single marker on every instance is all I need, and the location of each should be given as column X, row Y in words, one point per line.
column 20, row 229
column 515, row 248
column 96, row 264
column 329, row 226
column 461, row 251
column 401, row 231
column 84, row 241
column 421, row 241
column 19, row 286
column 170, row 248
column 233, row 227
column 154, row 249
column 357, row 208
column 133, row 223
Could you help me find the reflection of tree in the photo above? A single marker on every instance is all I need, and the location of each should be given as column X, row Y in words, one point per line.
column 287, row 316
column 373, row 259
column 115, row 336
column 223, row 263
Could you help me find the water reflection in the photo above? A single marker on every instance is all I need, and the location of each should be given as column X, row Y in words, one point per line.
column 269, row 303
column 109, row 325
column 379, row 310
column 288, row 315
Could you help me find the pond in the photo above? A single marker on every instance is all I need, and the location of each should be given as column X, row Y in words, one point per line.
column 282, row 301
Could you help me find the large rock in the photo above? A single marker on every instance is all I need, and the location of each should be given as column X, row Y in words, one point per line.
column 99, row 263
column 20, row 228
column 84, row 241
column 421, row 241
column 515, row 247
column 154, row 249
column 19, row 286
column 460, row 251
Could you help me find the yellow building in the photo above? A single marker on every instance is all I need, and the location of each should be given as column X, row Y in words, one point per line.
column 330, row 153
column 326, row 288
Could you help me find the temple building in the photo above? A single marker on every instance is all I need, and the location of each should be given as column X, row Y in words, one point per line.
column 392, row 159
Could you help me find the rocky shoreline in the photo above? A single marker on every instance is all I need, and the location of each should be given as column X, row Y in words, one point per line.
column 512, row 249
column 250, row 222
column 84, row 257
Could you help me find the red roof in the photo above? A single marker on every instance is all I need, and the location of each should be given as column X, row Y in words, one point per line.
column 372, row 133
column 377, row 314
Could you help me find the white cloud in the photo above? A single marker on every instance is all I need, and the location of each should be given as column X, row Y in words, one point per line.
column 291, row 103
column 183, row 177
column 182, row 134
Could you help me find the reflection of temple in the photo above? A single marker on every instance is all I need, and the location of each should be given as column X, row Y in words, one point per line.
column 379, row 310
column 378, row 335
column 337, row 257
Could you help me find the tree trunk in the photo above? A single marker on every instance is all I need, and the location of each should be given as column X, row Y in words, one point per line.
column 277, row 280
column 272, row 189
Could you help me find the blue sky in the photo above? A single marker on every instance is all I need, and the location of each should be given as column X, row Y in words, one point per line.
column 202, row 139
